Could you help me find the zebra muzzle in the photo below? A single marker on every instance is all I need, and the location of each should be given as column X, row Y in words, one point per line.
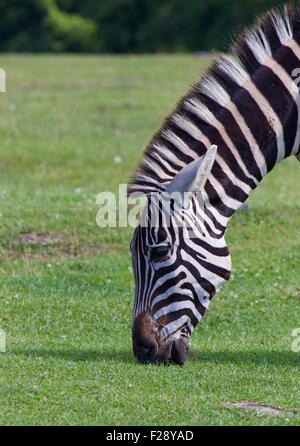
column 149, row 347
column 145, row 351
column 179, row 350
column 145, row 346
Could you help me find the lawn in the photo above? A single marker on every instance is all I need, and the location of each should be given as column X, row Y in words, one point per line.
column 71, row 127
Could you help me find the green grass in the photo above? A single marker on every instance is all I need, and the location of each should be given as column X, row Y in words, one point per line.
column 66, row 307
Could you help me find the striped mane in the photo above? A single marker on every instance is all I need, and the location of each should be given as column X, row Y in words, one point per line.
column 180, row 141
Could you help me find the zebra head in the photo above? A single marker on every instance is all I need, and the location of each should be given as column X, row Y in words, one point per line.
column 171, row 253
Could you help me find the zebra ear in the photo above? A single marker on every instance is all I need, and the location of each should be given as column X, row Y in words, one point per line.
column 192, row 178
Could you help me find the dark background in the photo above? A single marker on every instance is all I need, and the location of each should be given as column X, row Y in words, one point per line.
column 124, row 26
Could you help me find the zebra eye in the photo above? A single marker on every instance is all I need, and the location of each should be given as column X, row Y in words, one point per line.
column 159, row 252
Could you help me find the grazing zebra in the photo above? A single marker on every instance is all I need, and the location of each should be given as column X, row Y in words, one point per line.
column 226, row 134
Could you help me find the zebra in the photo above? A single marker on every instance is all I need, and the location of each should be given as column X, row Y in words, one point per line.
column 231, row 129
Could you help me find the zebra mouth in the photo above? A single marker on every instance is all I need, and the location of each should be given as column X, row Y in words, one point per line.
column 149, row 347
column 175, row 352
column 179, row 350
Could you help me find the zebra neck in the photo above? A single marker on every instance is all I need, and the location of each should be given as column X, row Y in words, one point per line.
column 225, row 191
column 248, row 107
column 255, row 129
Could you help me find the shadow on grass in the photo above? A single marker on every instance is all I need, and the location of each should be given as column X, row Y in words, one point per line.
column 258, row 357
column 242, row 358
column 77, row 355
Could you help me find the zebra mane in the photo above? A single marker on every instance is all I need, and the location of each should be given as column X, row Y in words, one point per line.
column 180, row 141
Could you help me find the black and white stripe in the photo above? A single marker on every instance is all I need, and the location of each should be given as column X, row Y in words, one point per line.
column 248, row 106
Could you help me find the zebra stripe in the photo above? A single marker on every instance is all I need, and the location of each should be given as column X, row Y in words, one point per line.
column 247, row 106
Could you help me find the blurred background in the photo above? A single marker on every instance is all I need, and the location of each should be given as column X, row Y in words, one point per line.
column 124, row 26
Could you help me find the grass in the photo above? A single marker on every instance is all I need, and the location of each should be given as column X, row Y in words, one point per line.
column 66, row 305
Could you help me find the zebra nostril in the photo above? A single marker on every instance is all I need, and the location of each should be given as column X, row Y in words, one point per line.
column 146, row 352
column 145, row 345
